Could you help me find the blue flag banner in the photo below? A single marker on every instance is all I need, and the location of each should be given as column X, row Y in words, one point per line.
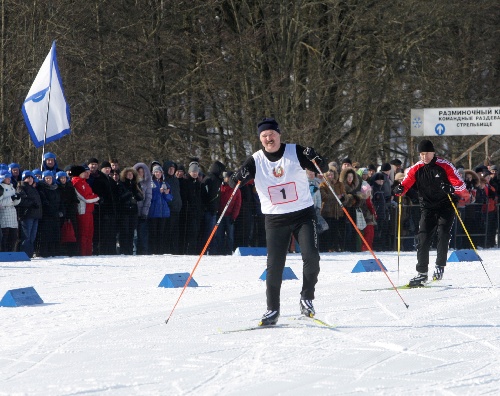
column 45, row 110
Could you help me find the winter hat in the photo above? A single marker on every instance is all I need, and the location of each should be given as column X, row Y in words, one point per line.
column 5, row 174
column 157, row 168
column 14, row 165
column 86, row 167
column 378, row 176
column 494, row 167
column 4, row 167
column 480, row 168
column 93, row 160
column 27, row 173
column 372, row 167
column 267, row 124
column 76, row 170
column 61, row 174
column 37, row 172
column 347, row 160
column 385, row 167
column 227, row 174
column 49, row 155
column 47, row 173
column 105, row 164
column 153, row 164
column 362, row 171
column 395, row 162
column 332, row 165
column 169, row 164
column 181, row 168
column 194, row 167
column 425, row 146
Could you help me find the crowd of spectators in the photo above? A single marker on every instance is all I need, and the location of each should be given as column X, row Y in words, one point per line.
column 369, row 191
column 103, row 208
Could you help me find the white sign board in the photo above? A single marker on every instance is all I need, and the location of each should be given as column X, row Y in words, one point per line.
column 458, row 121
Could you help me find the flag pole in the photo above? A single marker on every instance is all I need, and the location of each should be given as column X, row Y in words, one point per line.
column 48, row 106
column 46, row 123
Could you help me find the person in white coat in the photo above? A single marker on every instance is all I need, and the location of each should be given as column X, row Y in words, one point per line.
column 8, row 214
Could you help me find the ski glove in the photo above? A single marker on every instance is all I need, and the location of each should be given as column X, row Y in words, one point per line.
column 399, row 190
column 447, row 188
column 243, row 174
column 311, row 154
column 15, row 196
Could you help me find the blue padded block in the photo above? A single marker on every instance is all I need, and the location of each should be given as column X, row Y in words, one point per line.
column 20, row 297
column 367, row 266
column 287, row 274
column 250, row 251
column 464, row 255
column 177, row 280
column 13, row 256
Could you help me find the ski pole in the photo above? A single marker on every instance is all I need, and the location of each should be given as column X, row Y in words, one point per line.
column 468, row 236
column 399, row 230
column 205, row 248
column 359, row 232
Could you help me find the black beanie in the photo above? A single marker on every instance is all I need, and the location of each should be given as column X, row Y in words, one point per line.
column 268, row 123
column 77, row 170
column 92, row 161
column 425, row 146
column 105, row 164
column 385, row 167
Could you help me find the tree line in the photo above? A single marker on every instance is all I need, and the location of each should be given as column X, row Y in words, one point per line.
column 164, row 79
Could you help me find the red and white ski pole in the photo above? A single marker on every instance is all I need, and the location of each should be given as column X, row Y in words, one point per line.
column 359, row 232
column 205, row 247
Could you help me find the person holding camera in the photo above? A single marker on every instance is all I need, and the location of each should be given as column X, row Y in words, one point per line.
column 159, row 212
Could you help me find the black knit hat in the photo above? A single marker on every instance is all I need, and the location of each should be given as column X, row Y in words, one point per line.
column 267, row 124
column 93, row 160
column 425, row 146
column 372, row 167
column 105, row 164
column 347, row 160
column 385, row 167
column 77, row 170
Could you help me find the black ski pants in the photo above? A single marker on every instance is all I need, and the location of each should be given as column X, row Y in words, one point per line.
column 278, row 240
column 432, row 220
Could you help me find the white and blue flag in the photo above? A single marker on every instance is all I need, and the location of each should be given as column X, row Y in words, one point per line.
column 45, row 110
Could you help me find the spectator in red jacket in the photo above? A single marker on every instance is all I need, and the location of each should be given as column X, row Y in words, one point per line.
column 87, row 199
column 225, row 231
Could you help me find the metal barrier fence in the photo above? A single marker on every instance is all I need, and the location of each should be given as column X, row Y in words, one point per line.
column 482, row 227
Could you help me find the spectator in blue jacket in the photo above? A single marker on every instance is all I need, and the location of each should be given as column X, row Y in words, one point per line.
column 159, row 212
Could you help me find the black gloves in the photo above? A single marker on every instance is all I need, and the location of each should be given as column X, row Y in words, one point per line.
column 399, row 190
column 447, row 188
column 243, row 174
column 311, row 155
column 15, row 196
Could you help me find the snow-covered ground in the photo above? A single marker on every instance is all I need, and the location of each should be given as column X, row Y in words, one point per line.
column 101, row 329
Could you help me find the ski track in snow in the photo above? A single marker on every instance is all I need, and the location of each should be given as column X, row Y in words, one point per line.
column 102, row 329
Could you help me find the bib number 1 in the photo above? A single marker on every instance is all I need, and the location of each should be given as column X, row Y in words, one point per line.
column 283, row 193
